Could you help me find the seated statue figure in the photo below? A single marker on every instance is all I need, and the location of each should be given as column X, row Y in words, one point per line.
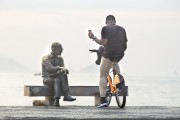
column 54, row 73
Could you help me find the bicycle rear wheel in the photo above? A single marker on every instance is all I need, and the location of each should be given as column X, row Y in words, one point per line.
column 108, row 97
column 121, row 99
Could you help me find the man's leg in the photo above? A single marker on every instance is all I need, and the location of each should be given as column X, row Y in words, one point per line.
column 48, row 81
column 65, row 88
column 57, row 91
column 64, row 82
column 57, row 88
column 56, row 84
column 104, row 71
column 116, row 67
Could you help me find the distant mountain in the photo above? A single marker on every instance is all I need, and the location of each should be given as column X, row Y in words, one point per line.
column 10, row 65
column 93, row 68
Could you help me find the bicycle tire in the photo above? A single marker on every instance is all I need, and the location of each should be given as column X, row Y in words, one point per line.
column 121, row 100
column 108, row 97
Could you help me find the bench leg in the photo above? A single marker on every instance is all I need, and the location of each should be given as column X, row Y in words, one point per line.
column 49, row 100
column 96, row 100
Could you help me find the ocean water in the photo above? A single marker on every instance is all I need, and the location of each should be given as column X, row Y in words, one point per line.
column 143, row 91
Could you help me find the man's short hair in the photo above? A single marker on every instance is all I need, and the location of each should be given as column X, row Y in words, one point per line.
column 110, row 17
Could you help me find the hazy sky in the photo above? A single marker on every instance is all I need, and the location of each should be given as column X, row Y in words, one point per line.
column 28, row 27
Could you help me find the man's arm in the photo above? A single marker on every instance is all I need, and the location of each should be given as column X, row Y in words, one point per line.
column 62, row 66
column 48, row 65
column 101, row 41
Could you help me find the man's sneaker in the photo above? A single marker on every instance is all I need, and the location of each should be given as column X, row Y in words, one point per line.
column 102, row 105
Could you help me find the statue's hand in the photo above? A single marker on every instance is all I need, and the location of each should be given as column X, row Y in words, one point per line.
column 63, row 70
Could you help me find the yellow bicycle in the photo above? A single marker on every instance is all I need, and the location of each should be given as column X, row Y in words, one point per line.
column 116, row 86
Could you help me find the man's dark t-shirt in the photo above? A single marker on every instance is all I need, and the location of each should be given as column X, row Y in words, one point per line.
column 116, row 45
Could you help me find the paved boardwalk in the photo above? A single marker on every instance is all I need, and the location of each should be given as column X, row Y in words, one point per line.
column 89, row 112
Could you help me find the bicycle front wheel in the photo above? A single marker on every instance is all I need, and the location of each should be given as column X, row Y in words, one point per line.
column 121, row 99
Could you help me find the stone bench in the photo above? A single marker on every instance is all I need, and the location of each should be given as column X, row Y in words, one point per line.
column 33, row 91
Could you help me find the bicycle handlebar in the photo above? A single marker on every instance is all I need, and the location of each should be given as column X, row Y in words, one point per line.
column 99, row 54
column 93, row 50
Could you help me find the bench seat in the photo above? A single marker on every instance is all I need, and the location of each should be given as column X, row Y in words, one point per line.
column 48, row 92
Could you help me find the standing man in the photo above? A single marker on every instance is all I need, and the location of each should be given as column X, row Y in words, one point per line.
column 55, row 75
column 113, row 38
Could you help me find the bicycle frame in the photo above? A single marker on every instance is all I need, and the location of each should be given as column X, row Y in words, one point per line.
column 112, row 84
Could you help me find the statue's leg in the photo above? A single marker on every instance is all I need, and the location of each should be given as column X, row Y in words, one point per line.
column 65, row 88
column 64, row 83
